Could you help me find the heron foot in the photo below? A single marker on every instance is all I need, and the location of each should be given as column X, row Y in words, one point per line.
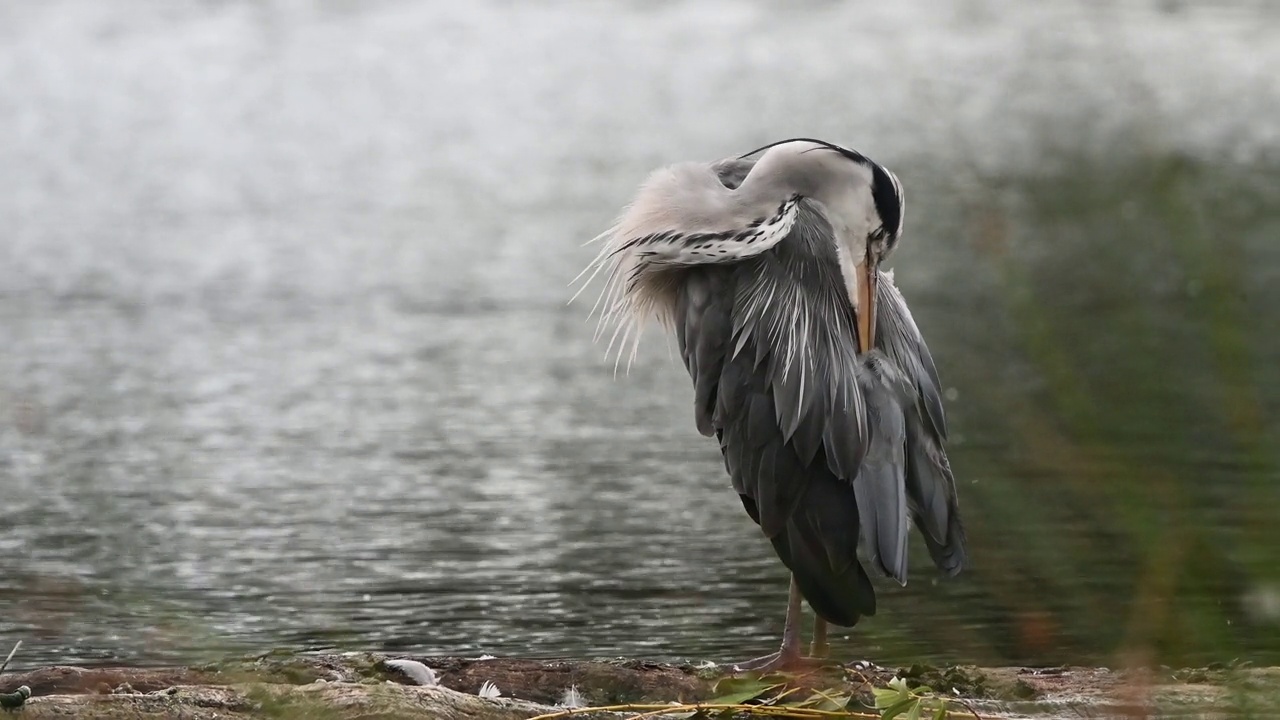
column 785, row 660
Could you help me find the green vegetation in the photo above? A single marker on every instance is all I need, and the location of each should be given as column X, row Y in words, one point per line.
column 784, row 696
column 1116, row 427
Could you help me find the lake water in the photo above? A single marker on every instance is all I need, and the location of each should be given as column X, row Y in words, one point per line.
column 286, row 359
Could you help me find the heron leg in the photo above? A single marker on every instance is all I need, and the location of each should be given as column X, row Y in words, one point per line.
column 788, row 656
column 820, row 647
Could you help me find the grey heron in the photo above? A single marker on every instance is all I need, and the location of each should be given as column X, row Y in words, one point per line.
column 807, row 366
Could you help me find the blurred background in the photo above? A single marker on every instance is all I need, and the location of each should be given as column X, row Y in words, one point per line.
column 286, row 359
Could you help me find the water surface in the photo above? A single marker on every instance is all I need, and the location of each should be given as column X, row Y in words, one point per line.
column 287, row 360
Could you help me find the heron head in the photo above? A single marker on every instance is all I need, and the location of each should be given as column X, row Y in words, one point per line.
column 861, row 200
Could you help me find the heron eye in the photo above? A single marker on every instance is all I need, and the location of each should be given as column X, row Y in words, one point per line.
column 878, row 234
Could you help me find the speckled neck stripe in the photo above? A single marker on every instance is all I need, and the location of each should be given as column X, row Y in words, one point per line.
column 691, row 248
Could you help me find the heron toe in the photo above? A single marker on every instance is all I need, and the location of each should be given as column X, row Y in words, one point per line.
column 783, row 661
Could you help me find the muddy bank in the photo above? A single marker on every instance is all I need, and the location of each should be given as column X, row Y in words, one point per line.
column 366, row 684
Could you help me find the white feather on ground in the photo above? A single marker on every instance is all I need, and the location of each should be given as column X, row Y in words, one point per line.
column 415, row 671
column 489, row 691
column 572, row 699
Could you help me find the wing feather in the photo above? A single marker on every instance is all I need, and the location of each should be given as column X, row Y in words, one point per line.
column 930, row 484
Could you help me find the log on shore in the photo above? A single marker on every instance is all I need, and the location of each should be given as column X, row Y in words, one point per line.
column 363, row 685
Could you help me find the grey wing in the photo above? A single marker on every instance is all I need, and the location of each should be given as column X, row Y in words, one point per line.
column 787, row 314
column 785, row 483
column 781, row 317
column 808, row 438
column 930, row 485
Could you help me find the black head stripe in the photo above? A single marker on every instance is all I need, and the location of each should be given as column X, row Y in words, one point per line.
column 888, row 199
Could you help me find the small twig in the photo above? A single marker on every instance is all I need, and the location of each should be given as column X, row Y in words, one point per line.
column 830, row 699
column 789, row 691
column 861, row 676
column 968, row 706
column 12, row 652
column 651, row 713
column 567, row 712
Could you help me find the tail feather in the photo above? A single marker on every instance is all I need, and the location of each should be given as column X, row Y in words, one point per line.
column 819, row 546
column 950, row 555
column 880, row 485
column 931, row 495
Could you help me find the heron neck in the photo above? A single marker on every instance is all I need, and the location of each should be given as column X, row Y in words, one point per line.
column 761, row 193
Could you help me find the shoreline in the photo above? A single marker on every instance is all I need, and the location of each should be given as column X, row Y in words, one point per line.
column 363, row 684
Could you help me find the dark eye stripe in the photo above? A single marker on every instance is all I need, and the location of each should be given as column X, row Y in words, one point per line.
column 887, row 194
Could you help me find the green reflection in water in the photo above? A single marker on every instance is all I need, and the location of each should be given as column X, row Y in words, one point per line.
column 1120, row 375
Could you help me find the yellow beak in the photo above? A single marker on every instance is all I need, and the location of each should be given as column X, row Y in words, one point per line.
column 867, row 275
